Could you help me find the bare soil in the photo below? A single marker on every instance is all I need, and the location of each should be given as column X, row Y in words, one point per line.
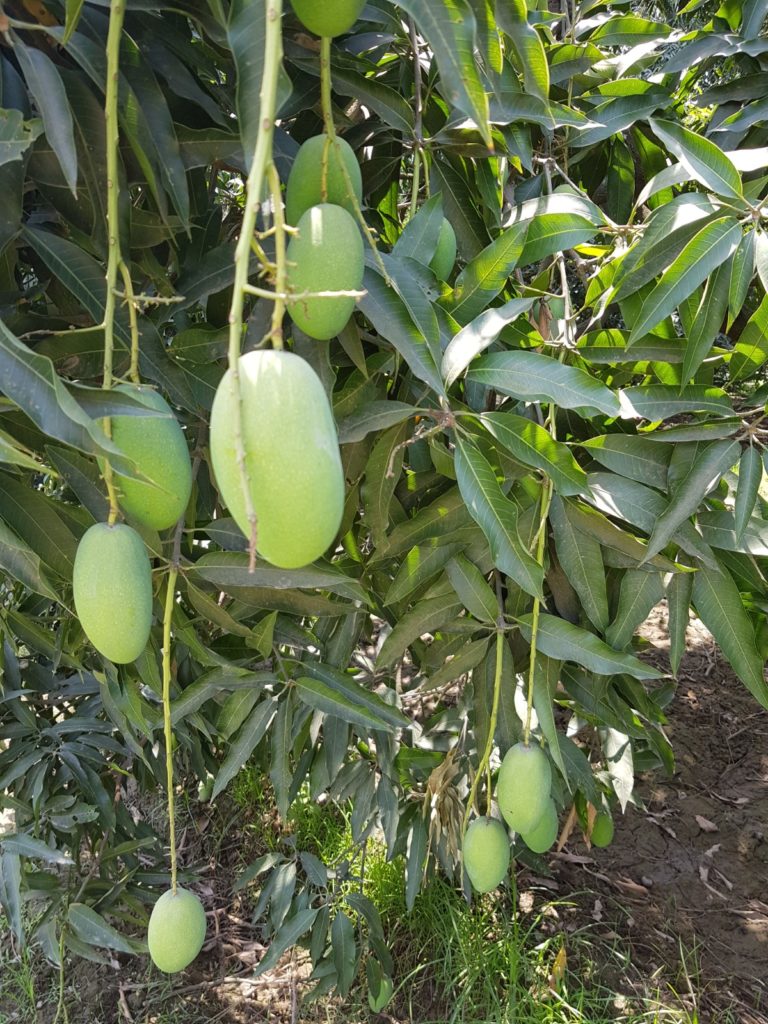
column 690, row 876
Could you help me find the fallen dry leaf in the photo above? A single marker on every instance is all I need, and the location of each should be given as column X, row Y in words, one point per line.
column 705, row 824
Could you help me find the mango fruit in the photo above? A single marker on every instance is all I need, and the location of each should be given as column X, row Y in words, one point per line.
column 522, row 789
column 602, row 830
column 305, row 182
column 159, row 449
column 176, row 930
column 445, row 253
column 328, row 17
column 326, row 255
column 112, row 582
column 292, row 457
column 542, row 836
column 486, row 853
column 379, row 1001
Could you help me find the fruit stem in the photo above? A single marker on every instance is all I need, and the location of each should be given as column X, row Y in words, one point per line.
column 273, row 54
column 330, row 129
column 541, row 540
column 130, row 299
column 417, row 127
column 278, row 311
column 486, row 758
column 114, row 35
column 170, row 600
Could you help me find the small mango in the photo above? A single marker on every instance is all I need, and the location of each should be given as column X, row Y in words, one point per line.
column 176, row 930
column 328, row 17
column 542, row 837
column 524, row 783
column 309, row 184
column 486, row 853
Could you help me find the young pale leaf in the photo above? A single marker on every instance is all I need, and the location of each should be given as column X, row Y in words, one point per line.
column 472, row 589
column 560, row 639
column 679, row 593
column 719, row 606
column 705, row 161
column 496, row 515
column 639, row 594
column 700, row 257
column 534, row 446
column 582, row 560
column 704, row 472
column 478, row 335
column 449, row 27
column 537, row 378
column 750, row 477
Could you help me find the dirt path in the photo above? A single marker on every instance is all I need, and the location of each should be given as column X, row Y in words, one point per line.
column 692, row 874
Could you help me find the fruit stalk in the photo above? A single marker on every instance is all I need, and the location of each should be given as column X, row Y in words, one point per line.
column 330, row 128
column 170, row 597
column 114, row 35
column 261, row 158
column 278, row 311
column 417, row 129
column 541, row 540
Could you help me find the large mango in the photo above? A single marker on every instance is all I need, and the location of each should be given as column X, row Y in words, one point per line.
column 292, row 456
column 305, row 182
column 328, row 17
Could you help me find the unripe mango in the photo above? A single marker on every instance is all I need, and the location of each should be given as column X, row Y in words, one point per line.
column 602, row 830
column 325, row 255
column 445, row 253
column 305, row 182
column 486, row 853
column 542, row 837
column 328, row 17
column 160, row 452
column 292, row 456
column 112, row 583
column 176, row 930
column 522, row 790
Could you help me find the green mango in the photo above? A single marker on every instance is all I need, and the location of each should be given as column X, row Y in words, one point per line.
column 292, row 457
column 326, row 255
column 602, row 830
column 112, row 582
column 159, row 449
column 305, row 182
column 542, row 837
column 486, row 853
column 176, row 930
column 523, row 786
column 328, row 17
column 445, row 254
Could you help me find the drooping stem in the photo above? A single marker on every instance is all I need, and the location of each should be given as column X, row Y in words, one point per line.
column 540, row 541
column 262, row 156
column 170, row 600
column 114, row 35
column 330, row 129
column 486, row 756
column 278, row 311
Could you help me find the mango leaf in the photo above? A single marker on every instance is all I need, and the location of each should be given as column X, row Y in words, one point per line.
column 661, row 401
column 637, row 458
column 473, row 589
column 420, row 235
column 582, row 560
column 344, row 950
column 537, row 378
column 421, row 564
column 487, row 274
column 15, row 136
column 229, row 570
column 750, row 477
column 704, row 472
column 251, row 733
column 533, row 445
column 372, row 416
column 719, row 606
column 73, row 11
column 478, row 336
column 679, row 593
column 449, row 27
column 425, row 617
column 701, row 256
column 287, row 935
column 705, row 161
column 496, row 515
column 351, row 703
column 27, row 846
column 562, row 640
column 742, row 272
column 527, row 45
column 751, row 350
column 546, row 676
column 23, row 564
column 46, row 86
column 639, row 594
column 708, row 320
column 93, row 929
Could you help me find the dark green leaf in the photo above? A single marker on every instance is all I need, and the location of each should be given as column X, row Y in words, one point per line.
column 562, row 640
column 533, row 445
